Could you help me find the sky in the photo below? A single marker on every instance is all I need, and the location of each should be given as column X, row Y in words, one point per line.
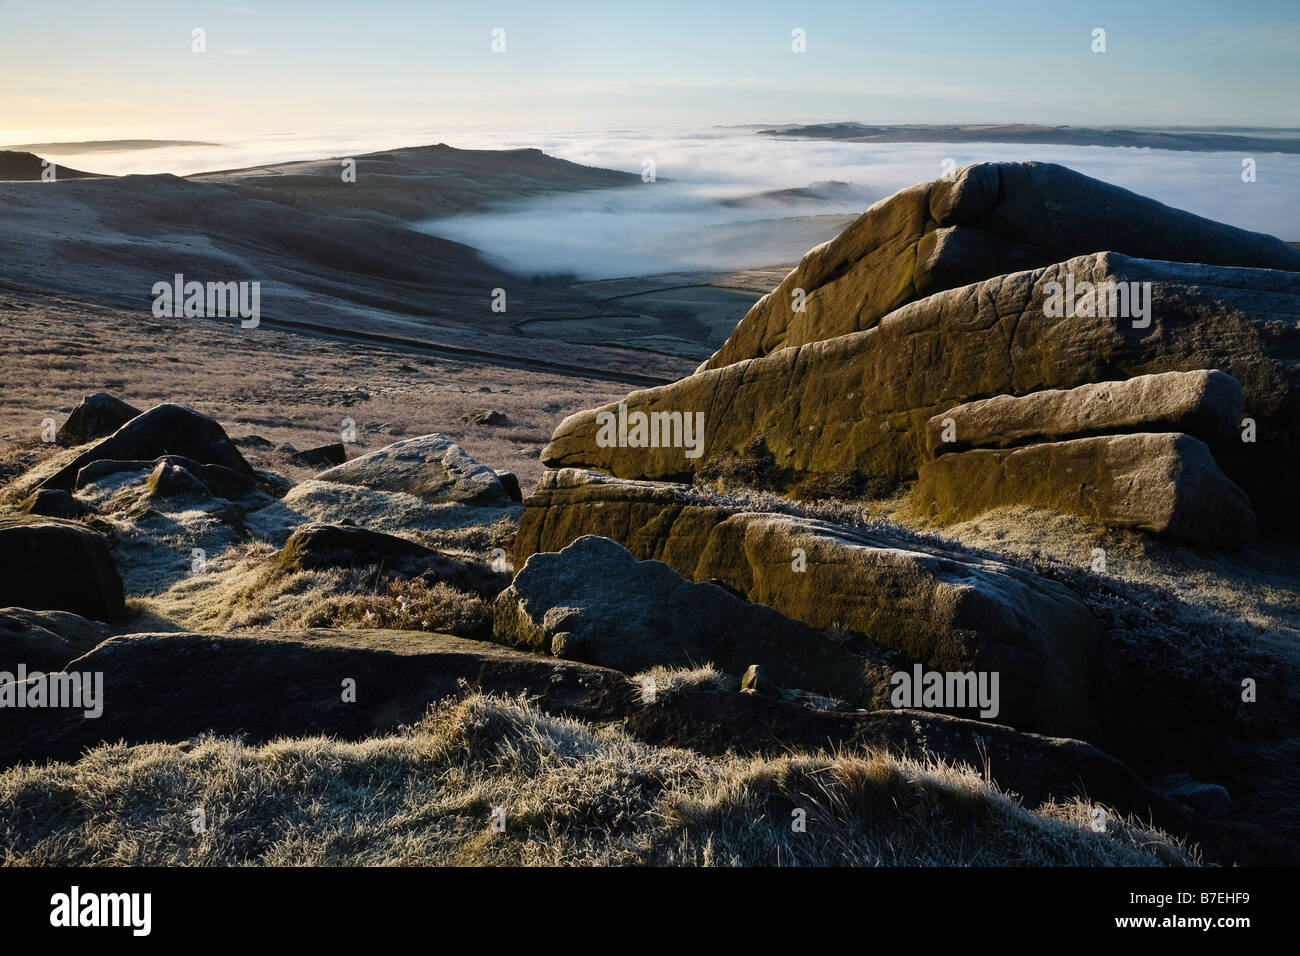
column 126, row 68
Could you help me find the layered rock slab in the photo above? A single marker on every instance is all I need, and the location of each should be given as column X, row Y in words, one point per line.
column 986, row 220
column 1164, row 483
column 45, row 640
column 950, row 613
column 859, row 403
column 1206, row 403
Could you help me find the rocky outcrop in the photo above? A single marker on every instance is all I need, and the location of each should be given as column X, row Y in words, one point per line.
column 859, row 403
column 431, row 467
column 163, row 430
column 488, row 417
column 987, row 220
column 316, row 545
column 1206, row 404
column 951, row 612
column 48, row 564
column 1164, row 483
column 45, row 640
column 175, row 687
column 595, row 602
column 94, row 417
column 172, row 475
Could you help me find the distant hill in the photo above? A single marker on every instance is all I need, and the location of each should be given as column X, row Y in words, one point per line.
column 20, row 166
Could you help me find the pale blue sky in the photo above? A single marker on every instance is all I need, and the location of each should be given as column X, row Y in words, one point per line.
column 126, row 65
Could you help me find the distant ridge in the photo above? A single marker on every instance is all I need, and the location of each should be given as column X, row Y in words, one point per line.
column 107, row 145
column 1186, row 140
column 416, row 182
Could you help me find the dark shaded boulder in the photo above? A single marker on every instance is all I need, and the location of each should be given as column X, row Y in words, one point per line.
column 94, row 417
column 1164, row 483
column 594, row 602
column 173, row 687
column 170, row 479
column 510, row 482
column 105, row 467
column 55, row 503
column 1210, row 799
column 989, row 219
column 226, row 482
column 45, row 640
column 322, row 456
column 163, row 430
column 256, row 442
column 316, row 545
column 49, row 564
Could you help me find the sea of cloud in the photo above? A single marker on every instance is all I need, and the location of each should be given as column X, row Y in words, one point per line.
column 678, row 221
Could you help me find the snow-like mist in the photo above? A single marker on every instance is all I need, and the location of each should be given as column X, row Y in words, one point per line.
column 679, row 222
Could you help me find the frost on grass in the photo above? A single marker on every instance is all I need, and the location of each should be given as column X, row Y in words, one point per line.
column 570, row 795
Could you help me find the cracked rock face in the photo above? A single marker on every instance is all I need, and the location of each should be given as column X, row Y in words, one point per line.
column 1164, row 483
column 1206, row 404
column 989, row 219
column 431, row 467
column 595, row 602
column 859, row 403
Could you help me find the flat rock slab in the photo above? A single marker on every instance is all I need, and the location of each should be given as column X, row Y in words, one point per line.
column 431, row 467
column 987, row 220
column 1206, row 404
column 595, row 602
column 45, row 640
column 318, row 545
column 1164, row 483
column 172, row 687
column 951, row 612
column 51, row 564
column 166, row 429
